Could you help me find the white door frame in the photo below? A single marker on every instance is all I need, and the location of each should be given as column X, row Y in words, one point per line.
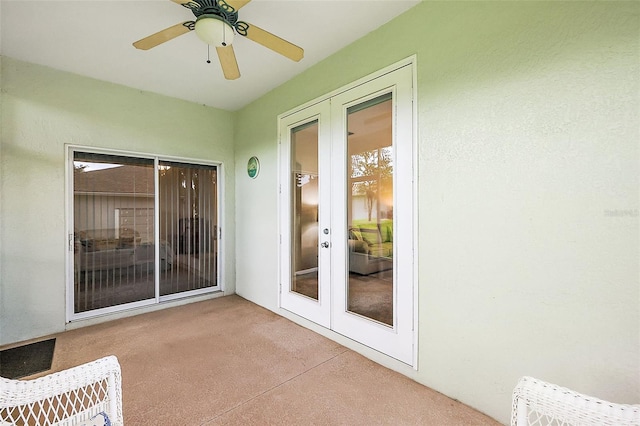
column 396, row 341
column 71, row 315
column 406, row 321
column 317, row 311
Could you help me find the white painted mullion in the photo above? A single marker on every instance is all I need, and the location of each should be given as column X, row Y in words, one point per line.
column 156, row 228
column 69, row 234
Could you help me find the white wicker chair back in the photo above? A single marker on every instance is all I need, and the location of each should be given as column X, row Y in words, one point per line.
column 544, row 404
column 89, row 394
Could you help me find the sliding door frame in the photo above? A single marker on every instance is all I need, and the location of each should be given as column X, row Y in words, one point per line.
column 71, row 315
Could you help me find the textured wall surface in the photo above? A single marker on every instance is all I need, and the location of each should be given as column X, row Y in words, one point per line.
column 528, row 120
column 528, row 225
column 42, row 111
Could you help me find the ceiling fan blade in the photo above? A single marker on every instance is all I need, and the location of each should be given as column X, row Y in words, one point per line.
column 228, row 62
column 274, row 43
column 181, row 1
column 165, row 35
column 236, row 4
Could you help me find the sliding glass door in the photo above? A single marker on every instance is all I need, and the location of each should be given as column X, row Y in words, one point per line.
column 188, row 227
column 113, row 211
column 143, row 230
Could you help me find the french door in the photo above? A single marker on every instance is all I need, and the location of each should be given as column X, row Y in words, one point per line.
column 347, row 201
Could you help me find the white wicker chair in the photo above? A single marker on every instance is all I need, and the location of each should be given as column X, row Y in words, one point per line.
column 84, row 395
column 539, row 403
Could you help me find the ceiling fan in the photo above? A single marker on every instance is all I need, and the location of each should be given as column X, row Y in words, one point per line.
column 216, row 24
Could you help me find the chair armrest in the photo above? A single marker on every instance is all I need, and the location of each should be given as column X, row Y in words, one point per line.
column 539, row 403
column 66, row 397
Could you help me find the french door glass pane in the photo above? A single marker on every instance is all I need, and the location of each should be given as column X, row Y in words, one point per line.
column 304, row 213
column 113, row 230
column 188, row 227
column 370, row 209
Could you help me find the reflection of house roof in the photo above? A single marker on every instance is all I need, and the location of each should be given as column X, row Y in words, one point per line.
column 121, row 180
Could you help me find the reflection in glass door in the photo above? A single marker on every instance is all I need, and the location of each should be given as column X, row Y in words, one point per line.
column 373, row 251
column 141, row 234
column 305, row 216
column 347, row 246
column 113, row 211
column 370, row 209
column 304, row 209
column 188, row 217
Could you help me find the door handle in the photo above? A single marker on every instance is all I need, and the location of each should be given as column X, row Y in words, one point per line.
column 325, row 244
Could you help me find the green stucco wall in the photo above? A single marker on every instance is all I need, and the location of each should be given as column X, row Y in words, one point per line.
column 43, row 110
column 528, row 188
column 528, row 165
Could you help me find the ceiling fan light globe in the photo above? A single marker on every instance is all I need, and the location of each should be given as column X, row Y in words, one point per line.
column 214, row 31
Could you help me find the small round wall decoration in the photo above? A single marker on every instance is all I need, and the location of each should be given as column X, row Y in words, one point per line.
column 253, row 167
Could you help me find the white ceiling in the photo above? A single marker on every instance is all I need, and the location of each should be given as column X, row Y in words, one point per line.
column 93, row 38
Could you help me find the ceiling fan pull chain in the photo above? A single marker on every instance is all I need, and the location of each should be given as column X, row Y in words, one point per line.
column 208, row 56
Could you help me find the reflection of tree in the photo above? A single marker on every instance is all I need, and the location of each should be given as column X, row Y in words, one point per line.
column 372, row 174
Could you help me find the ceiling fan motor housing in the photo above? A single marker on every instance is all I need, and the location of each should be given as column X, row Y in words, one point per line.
column 218, row 8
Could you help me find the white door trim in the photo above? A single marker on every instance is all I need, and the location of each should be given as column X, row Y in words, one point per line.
column 317, row 311
column 408, row 319
column 70, row 314
column 396, row 341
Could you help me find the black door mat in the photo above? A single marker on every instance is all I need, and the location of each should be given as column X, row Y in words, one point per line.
column 27, row 359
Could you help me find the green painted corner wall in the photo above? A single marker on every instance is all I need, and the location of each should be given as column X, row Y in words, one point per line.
column 44, row 110
column 528, row 191
column 528, row 186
